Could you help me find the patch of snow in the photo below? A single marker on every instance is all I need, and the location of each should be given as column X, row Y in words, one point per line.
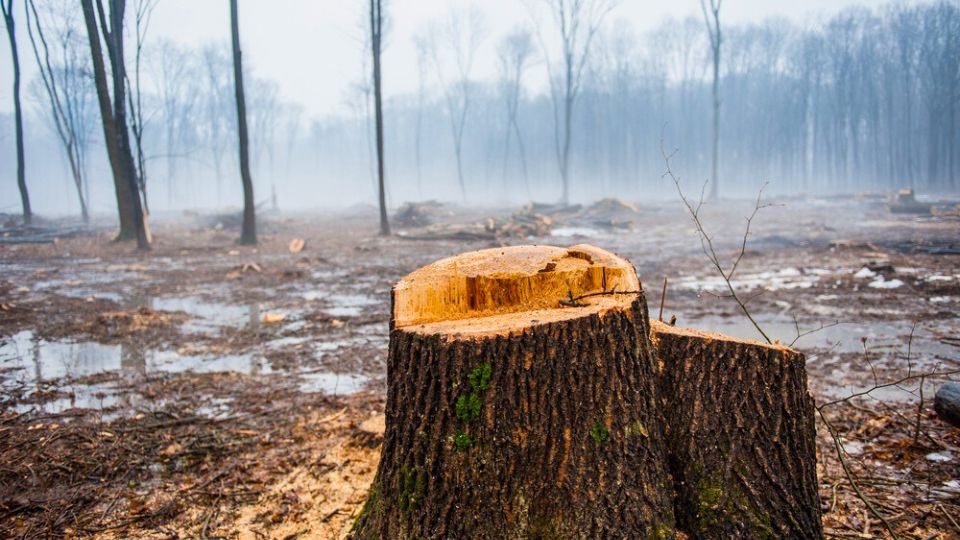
column 865, row 273
column 853, row 448
column 880, row 283
column 826, row 297
column 787, row 278
column 941, row 457
column 952, row 484
column 941, row 299
column 938, row 277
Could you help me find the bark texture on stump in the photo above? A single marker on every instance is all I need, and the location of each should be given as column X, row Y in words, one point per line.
column 510, row 415
column 740, row 436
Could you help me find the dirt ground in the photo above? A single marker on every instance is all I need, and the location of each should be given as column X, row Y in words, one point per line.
column 212, row 390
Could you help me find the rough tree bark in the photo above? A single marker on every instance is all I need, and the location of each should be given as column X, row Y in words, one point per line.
column 740, row 436
column 248, row 233
column 7, row 8
column 517, row 408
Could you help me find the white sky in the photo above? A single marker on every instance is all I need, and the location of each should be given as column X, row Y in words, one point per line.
column 312, row 48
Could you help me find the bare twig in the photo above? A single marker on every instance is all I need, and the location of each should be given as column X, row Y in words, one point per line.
column 805, row 333
column 663, row 298
column 574, row 301
column 706, row 242
column 838, row 445
column 898, row 382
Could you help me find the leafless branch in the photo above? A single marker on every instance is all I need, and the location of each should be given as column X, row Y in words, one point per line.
column 707, row 242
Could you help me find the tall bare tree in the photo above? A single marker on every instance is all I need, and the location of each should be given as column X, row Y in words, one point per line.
column 65, row 85
column 248, row 233
column 577, row 22
column 115, row 129
column 515, row 52
column 711, row 16
column 459, row 36
column 7, row 9
column 422, row 47
column 142, row 11
column 376, row 42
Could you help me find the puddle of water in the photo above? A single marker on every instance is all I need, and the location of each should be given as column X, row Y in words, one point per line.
column 886, row 343
column 843, row 338
column 172, row 362
column 207, row 316
column 345, row 304
column 36, row 365
column 30, row 359
column 331, row 383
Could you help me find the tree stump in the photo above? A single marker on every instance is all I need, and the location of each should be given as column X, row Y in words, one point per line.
column 516, row 409
column 740, row 436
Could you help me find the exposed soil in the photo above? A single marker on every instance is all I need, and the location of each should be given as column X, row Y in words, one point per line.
column 207, row 389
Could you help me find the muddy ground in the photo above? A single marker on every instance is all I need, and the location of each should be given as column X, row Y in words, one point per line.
column 213, row 390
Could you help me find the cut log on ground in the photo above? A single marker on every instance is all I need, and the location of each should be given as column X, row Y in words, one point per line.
column 947, row 403
column 518, row 407
column 740, row 436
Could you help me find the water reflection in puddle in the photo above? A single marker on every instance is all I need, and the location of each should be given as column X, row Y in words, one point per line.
column 39, row 367
column 342, row 304
column 332, row 383
column 205, row 315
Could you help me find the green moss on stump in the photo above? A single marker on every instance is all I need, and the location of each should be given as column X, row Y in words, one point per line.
column 599, row 433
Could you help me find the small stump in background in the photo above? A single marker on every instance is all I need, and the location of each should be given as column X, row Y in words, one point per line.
column 514, row 412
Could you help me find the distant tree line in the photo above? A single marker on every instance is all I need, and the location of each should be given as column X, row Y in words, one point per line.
column 865, row 100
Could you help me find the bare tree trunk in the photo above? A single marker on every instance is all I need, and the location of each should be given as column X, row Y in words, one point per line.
column 113, row 37
column 565, row 156
column 65, row 126
column 712, row 19
column 376, row 35
column 503, row 427
column 249, row 232
column 143, row 9
column 7, row 9
column 124, row 181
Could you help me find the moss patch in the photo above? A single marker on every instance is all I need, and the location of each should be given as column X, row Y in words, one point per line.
column 412, row 488
column 462, row 441
column 599, row 433
column 468, row 406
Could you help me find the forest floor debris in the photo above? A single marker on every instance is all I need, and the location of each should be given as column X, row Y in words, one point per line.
column 148, row 396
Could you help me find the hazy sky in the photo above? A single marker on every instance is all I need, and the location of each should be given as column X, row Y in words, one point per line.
column 312, row 48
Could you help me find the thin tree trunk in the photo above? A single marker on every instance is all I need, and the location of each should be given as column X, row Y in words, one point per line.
column 565, row 159
column 17, row 111
column 715, row 140
column 113, row 37
column 712, row 18
column 75, row 171
column 376, row 34
column 249, row 232
column 122, row 187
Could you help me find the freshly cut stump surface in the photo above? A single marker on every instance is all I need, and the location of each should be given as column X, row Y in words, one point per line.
column 514, row 412
column 740, row 436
